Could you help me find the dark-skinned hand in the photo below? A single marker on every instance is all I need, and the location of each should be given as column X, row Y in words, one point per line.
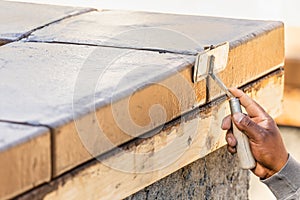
column 264, row 136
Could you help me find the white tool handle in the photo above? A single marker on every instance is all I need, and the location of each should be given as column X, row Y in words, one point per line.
column 243, row 148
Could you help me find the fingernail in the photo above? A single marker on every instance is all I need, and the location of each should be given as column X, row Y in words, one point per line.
column 237, row 117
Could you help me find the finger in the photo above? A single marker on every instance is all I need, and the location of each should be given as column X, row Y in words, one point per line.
column 247, row 126
column 259, row 171
column 231, row 149
column 230, row 139
column 253, row 109
column 226, row 123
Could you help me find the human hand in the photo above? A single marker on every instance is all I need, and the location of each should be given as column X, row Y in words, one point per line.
column 264, row 136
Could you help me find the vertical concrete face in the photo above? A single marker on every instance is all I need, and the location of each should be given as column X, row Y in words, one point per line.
column 25, row 158
column 216, row 176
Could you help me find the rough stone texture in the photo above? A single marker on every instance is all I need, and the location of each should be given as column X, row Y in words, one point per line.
column 216, row 176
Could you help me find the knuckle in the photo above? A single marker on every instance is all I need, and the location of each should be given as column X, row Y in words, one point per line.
column 271, row 123
column 246, row 122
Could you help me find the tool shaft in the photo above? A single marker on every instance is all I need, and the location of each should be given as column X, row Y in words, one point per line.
column 216, row 78
column 243, row 148
column 221, row 84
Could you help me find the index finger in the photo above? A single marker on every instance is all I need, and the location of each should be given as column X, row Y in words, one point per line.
column 253, row 109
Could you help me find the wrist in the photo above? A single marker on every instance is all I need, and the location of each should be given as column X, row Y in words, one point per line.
column 286, row 180
column 281, row 162
column 278, row 166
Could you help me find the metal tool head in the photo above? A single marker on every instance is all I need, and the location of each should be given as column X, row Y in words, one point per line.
column 211, row 61
column 202, row 64
column 216, row 78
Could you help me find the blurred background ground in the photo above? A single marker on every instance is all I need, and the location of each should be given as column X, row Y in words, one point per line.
column 286, row 11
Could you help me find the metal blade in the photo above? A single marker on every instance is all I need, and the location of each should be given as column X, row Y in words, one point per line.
column 216, row 78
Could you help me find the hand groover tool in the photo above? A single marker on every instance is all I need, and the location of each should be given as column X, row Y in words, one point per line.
column 208, row 63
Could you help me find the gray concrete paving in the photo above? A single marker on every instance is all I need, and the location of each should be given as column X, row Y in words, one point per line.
column 19, row 19
column 41, row 85
column 177, row 33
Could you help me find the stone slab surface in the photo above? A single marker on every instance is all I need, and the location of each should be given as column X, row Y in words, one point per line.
column 25, row 159
column 45, row 80
column 18, row 19
column 125, row 92
column 178, row 33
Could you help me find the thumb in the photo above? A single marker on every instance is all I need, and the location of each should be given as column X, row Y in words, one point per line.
column 247, row 126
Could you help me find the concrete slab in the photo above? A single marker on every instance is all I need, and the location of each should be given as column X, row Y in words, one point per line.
column 25, row 159
column 125, row 92
column 52, row 84
column 50, row 81
column 166, row 32
column 100, row 88
column 17, row 20
column 178, row 34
